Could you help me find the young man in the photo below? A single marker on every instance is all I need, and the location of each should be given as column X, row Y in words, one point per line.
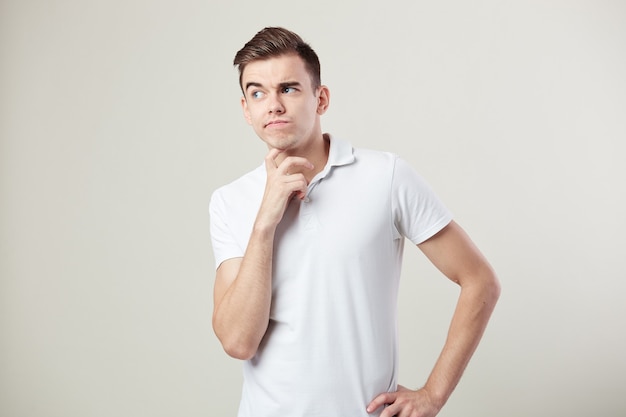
column 308, row 250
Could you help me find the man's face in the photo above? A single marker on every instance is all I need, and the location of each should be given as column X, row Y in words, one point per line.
column 280, row 103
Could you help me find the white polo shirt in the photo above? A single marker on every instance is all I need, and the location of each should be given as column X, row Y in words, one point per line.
column 331, row 344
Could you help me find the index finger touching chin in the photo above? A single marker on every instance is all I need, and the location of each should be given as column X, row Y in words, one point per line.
column 270, row 158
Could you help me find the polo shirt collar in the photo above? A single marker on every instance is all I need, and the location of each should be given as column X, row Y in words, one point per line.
column 340, row 153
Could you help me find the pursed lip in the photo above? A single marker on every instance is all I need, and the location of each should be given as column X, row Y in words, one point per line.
column 276, row 122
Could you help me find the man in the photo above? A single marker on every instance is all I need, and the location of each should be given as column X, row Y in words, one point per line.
column 308, row 250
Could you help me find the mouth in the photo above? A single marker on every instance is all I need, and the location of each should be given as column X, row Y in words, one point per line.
column 276, row 123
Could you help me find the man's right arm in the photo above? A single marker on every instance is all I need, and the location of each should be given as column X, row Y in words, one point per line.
column 243, row 286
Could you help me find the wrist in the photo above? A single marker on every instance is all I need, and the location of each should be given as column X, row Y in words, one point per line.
column 437, row 397
column 263, row 228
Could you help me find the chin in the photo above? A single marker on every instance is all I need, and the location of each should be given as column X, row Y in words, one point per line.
column 283, row 145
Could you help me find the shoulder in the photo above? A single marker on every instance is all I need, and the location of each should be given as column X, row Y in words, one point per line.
column 244, row 192
column 248, row 182
column 375, row 162
column 371, row 162
column 376, row 167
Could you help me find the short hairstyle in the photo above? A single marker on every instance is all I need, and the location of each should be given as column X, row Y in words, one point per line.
column 271, row 42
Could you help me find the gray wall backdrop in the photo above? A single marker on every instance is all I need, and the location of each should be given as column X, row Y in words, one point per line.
column 119, row 118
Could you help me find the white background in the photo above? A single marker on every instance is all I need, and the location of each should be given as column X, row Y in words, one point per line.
column 119, row 118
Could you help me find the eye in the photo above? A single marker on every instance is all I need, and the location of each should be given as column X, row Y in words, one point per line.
column 287, row 90
column 256, row 94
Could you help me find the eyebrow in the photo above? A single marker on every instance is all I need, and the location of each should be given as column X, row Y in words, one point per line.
column 289, row 84
column 252, row 84
column 281, row 85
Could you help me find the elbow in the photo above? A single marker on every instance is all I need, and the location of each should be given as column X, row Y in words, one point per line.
column 493, row 289
column 484, row 287
column 483, row 283
column 239, row 350
column 235, row 344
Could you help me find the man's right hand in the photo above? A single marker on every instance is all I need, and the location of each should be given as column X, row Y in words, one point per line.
column 285, row 180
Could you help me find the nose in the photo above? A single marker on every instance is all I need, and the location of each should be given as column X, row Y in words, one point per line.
column 275, row 105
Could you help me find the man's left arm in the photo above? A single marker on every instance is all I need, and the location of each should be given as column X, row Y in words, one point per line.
column 455, row 255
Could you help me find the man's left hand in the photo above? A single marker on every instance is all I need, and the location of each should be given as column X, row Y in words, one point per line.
column 405, row 403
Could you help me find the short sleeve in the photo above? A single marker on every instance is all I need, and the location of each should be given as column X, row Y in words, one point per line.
column 418, row 213
column 223, row 240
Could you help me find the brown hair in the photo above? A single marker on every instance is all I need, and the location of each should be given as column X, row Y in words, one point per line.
column 275, row 41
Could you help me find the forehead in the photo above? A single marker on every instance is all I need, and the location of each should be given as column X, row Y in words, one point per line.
column 276, row 70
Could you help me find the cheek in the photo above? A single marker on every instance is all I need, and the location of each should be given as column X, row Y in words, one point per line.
column 308, row 109
column 253, row 116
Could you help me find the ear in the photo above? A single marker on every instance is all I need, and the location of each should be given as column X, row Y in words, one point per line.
column 246, row 111
column 323, row 99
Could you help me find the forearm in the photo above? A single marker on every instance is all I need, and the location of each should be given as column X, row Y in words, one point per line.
column 242, row 315
column 475, row 305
